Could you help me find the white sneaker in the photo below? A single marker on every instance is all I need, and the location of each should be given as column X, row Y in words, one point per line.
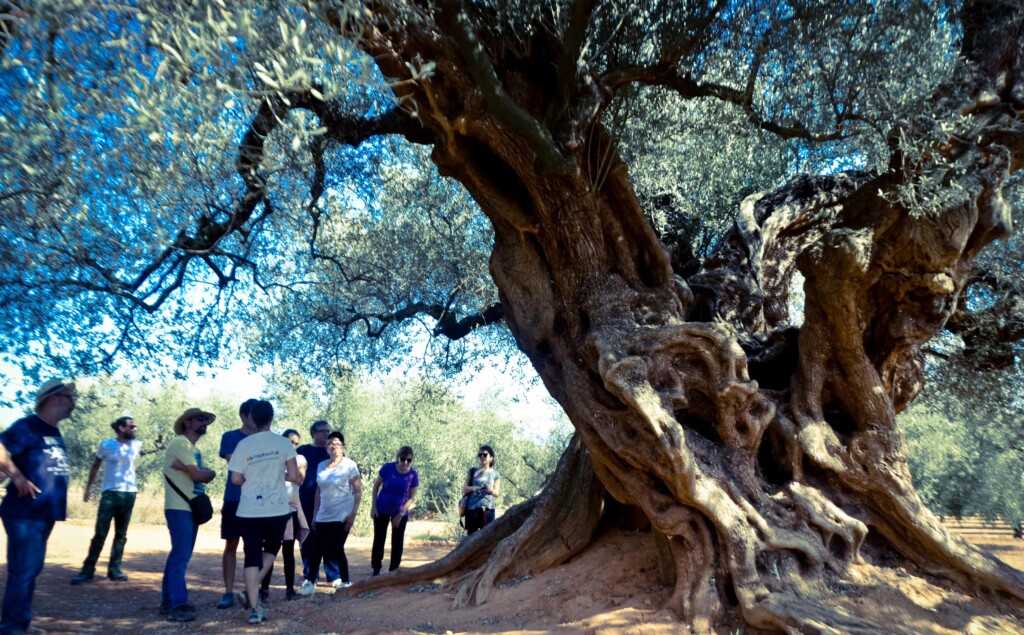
column 336, row 584
column 307, row 588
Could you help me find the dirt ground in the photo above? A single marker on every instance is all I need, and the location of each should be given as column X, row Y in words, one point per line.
column 610, row 588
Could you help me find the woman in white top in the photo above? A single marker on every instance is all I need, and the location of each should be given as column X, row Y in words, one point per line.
column 483, row 486
column 339, row 489
column 295, row 529
column 260, row 464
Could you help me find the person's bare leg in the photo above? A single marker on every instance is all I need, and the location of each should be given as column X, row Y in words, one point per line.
column 253, row 575
column 228, row 562
column 252, row 585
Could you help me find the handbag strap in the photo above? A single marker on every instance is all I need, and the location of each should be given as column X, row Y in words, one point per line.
column 175, row 488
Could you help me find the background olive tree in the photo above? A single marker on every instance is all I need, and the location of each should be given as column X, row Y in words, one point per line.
column 376, row 421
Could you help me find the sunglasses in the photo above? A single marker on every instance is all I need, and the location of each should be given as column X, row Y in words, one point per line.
column 202, row 418
column 407, row 459
column 483, row 455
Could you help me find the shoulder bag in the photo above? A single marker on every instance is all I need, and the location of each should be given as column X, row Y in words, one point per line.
column 200, row 504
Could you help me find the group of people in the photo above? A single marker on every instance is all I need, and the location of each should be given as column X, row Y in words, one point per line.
column 277, row 492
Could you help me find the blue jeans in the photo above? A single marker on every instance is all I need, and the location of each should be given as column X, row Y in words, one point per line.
column 183, row 539
column 26, row 551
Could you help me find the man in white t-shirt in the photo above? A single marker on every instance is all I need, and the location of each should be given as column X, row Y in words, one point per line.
column 118, row 456
column 261, row 463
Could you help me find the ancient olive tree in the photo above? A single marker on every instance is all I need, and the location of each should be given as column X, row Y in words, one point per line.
column 763, row 452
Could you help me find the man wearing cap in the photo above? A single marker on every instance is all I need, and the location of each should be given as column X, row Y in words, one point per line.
column 118, row 498
column 33, row 456
column 183, row 466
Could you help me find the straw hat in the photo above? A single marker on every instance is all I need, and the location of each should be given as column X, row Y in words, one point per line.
column 179, row 425
column 50, row 389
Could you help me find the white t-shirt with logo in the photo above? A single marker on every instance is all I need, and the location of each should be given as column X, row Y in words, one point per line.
column 335, row 483
column 262, row 458
column 119, row 464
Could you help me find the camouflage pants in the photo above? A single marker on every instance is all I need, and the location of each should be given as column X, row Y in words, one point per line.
column 116, row 506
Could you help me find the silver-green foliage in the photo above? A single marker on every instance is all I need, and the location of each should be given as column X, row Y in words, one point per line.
column 124, row 130
column 965, row 445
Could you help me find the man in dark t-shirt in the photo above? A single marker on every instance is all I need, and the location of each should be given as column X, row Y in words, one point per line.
column 34, row 458
column 315, row 453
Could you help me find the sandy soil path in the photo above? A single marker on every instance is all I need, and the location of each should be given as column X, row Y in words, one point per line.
column 609, row 589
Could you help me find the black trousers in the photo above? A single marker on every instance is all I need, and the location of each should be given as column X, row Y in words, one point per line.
column 288, row 553
column 329, row 547
column 380, row 534
column 477, row 518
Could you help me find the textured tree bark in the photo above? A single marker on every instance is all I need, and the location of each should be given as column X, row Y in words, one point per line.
column 764, row 456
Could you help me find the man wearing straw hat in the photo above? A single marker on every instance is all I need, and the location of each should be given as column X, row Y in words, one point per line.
column 34, row 458
column 183, row 468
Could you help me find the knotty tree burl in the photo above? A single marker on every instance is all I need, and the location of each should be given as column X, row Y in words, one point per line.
column 767, row 459
column 763, row 454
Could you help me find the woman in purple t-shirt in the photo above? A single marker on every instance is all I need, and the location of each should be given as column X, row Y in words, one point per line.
column 393, row 495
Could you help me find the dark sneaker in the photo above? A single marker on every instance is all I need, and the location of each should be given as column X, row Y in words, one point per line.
column 290, row 594
column 227, row 601
column 81, row 578
column 257, row 615
column 117, row 576
column 183, row 613
column 165, row 608
column 264, row 595
column 242, row 598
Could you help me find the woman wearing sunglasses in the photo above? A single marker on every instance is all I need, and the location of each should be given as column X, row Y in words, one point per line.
column 393, row 494
column 483, row 485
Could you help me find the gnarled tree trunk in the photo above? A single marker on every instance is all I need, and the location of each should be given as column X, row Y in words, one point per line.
column 765, row 456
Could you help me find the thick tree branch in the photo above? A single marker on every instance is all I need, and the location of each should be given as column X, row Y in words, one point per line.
column 499, row 104
column 565, row 72
column 666, row 74
column 454, row 328
column 990, row 335
column 448, row 323
column 208, row 232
